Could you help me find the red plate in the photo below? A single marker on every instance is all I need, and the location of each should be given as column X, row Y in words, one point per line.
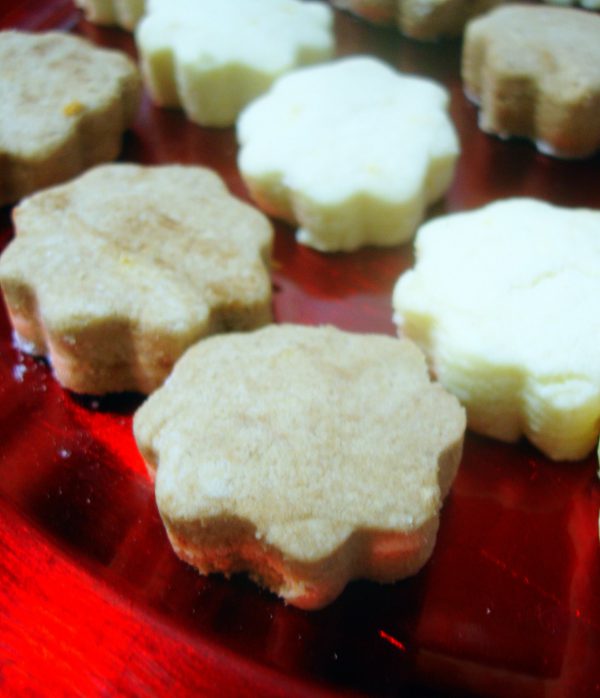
column 93, row 601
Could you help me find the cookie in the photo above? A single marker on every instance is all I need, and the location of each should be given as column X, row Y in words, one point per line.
column 500, row 300
column 115, row 274
column 65, row 106
column 420, row 19
column 122, row 13
column 304, row 456
column 535, row 73
column 351, row 151
column 211, row 58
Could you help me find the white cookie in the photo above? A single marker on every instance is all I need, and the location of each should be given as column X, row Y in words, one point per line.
column 502, row 300
column 351, row 151
column 212, row 58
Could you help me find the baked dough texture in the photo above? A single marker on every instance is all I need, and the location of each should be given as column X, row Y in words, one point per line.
column 304, row 456
column 65, row 106
column 123, row 13
column 501, row 300
column 351, row 151
column 420, row 19
column 535, row 73
column 115, row 274
column 212, row 58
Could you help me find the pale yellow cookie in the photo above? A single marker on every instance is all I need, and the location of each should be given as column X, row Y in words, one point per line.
column 420, row 19
column 535, row 73
column 115, row 274
column 123, row 13
column 351, row 151
column 64, row 105
column 501, row 300
column 306, row 457
column 213, row 58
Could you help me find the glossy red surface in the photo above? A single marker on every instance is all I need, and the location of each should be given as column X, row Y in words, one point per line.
column 94, row 602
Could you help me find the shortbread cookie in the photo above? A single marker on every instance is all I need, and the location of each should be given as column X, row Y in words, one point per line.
column 535, row 71
column 212, row 58
column 305, row 456
column 502, row 301
column 122, row 13
column 115, row 274
column 64, row 107
column 420, row 19
column 351, row 151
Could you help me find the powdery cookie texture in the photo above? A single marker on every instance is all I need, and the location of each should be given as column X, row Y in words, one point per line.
column 122, row 13
column 420, row 19
column 535, row 72
column 115, row 274
column 212, row 58
column 64, row 107
column 304, row 456
column 351, row 151
column 501, row 301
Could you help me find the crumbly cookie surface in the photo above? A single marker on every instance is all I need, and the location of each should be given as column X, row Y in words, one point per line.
column 420, row 19
column 116, row 273
column 64, row 107
column 351, row 151
column 212, row 58
column 304, row 456
column 535, row 73
column 500, row 301
column 122, row 13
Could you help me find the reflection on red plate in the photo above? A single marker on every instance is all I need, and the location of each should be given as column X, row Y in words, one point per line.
column 92, row 599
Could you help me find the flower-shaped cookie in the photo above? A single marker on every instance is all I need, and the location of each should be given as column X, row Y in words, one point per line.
column 535, row 72
column 304, row 456
column 212, row 58
column 352, row 151
column 502, row 300
column 115, row 274
column 420, row 19
column 123, row 13
column 65, row 105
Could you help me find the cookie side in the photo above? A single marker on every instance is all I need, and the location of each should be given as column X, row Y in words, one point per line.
column 122, row 13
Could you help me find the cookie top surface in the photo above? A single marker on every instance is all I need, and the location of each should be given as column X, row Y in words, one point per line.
column 49, row 82
column 353, row 133
column 308, row 433
column 165, row 250
column 505, row 290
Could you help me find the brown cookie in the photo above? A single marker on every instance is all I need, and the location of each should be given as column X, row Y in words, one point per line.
column 64, row 105
column 304, row 456
column 115, row 274
column 535, row 72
